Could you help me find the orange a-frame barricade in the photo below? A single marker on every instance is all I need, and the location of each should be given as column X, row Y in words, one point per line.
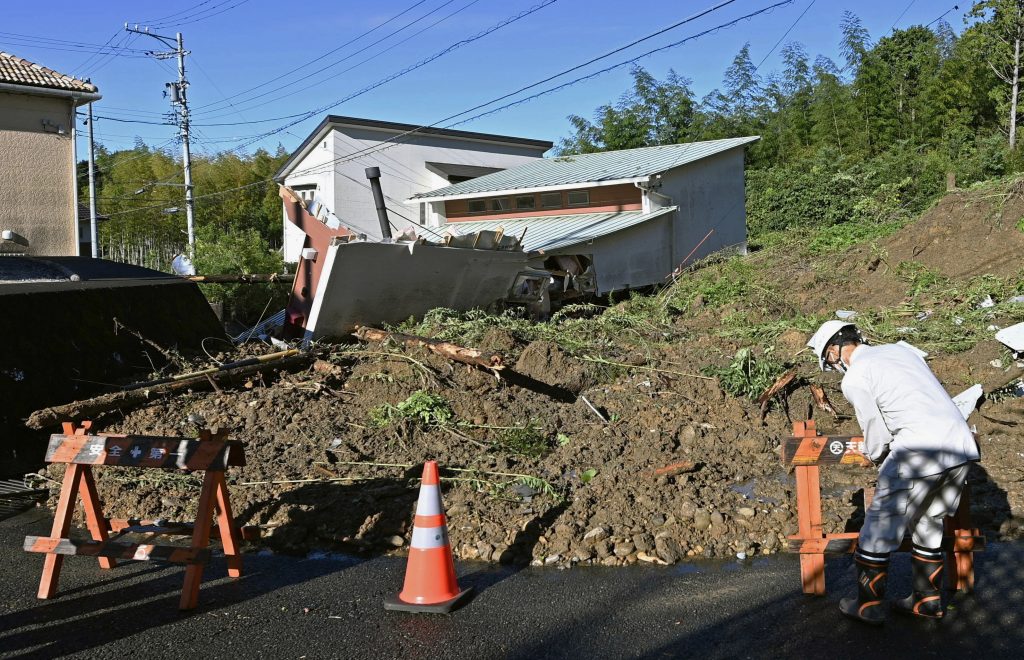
column 807, row 452
column 211, row 453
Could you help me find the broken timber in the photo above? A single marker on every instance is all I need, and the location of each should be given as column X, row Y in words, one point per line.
column 471, row 356
column 821, row 400
column 139, row 394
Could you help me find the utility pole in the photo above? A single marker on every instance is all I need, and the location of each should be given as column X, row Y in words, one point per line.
column 93, row 234
column 179, row 101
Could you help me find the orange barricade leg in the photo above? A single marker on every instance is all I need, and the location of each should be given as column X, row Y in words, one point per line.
column 200, row 539
column 94, row 512
column 61, row 527
column 960, row 563
column 228, row 529
column 808, row 502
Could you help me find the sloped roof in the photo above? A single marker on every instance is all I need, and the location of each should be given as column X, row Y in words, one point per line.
column 19, row 71
column 600, row 167
column 551, row 232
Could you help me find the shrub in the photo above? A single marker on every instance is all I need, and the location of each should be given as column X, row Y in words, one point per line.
column 236, row 252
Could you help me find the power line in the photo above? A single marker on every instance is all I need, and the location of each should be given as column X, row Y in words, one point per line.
column 316, row 59
column 902, row 14
column 953, row 8
column 785, row 34
column 408, row 69
column 196, row 17
column 154, row 21
column 264, row 101
column 575, row 68
column 89, row 59
column 392, row 142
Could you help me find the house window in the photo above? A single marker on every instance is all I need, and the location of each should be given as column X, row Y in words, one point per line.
column 526, row 202
column 501, row 204
column 477, row 205
column 579, row 197
column 551, row 200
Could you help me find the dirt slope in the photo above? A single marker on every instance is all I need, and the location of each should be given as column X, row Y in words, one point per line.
column 595, row 495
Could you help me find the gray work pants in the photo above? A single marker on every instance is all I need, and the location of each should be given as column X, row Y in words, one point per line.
column 920, row 504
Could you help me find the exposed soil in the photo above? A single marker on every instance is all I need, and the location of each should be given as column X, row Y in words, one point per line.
column 319, row 473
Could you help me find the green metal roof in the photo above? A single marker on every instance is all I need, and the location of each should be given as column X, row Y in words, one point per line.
column 552, row 232
column 600, row 167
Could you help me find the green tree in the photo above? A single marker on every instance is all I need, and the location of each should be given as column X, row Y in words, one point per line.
column 1000, row 33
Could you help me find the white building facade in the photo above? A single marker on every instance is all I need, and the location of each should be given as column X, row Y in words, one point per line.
column 330, row 166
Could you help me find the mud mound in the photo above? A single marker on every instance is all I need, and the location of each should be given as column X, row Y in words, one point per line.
column 965, row 234
column 547, row 362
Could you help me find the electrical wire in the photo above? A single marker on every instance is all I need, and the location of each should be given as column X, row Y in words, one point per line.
column 393, row 141
column 320, row 57
column 406, row 70
column 262, row 97
column 943, row 15
column 902, row 14
column 785, row 34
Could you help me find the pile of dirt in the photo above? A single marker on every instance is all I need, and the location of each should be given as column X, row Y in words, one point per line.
column 561, row 462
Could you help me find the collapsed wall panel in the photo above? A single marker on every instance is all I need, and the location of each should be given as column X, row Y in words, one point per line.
column 372, row 283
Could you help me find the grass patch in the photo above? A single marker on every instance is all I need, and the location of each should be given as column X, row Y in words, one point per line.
column 747, row 375
column 422, row 408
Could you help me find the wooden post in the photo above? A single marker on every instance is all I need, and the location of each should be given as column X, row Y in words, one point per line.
column 808, row 498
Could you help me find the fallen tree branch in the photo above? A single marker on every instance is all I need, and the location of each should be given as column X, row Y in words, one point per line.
column 777, row 388
column 587, row 358
column 252, row 278
column 471, row 356
column 139, row 394
column 168, row 355
column 821, row 400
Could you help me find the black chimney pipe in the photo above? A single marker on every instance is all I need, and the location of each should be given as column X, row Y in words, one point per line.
column 373, row 174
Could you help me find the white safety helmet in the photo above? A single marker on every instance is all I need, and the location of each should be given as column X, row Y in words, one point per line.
column 823, row 337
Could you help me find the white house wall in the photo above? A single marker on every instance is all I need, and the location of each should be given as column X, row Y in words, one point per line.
column 318, row 162
column 709, row 194
column 633, row 257
column 403, row 174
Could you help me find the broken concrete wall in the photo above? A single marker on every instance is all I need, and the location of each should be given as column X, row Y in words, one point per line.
column 373, row 283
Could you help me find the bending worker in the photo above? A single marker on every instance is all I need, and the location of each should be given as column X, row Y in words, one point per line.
column 917, row 436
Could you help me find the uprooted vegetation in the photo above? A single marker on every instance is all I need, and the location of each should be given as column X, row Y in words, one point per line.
column 624, row 432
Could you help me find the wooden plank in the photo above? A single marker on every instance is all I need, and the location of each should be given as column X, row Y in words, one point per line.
column 229, row 535
column 143, row 451
column 117, row 550
column 825, row 450
column 138, row 526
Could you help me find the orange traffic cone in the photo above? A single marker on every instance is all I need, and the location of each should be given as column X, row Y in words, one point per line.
column 430, row 584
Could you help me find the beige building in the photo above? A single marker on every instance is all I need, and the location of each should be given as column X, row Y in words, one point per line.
column 38, row 206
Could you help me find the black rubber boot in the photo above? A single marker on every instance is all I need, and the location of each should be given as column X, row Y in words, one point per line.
column 926, row 601
column 868, row 607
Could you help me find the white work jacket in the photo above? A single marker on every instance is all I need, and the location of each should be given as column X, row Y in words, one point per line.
column 902, row 407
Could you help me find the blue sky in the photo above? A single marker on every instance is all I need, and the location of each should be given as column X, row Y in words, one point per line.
column 240, row 44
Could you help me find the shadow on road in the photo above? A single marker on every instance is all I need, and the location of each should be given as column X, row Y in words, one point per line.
column 135, row 597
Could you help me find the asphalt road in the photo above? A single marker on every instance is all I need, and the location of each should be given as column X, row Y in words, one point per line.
column 331, row 607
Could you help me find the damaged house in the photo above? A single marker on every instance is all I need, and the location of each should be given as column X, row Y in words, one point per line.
column 606, row 221
column 327, row 168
